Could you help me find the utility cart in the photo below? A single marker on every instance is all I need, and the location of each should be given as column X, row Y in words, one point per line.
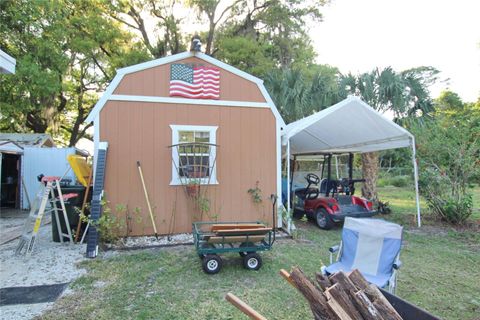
column 245, row 238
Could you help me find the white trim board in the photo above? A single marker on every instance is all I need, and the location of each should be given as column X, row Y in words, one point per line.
column 207, row 102
column 176, row 181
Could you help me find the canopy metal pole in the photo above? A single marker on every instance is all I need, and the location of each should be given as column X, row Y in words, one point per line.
column 415, row 175
column 288, row 175
column 336, row 167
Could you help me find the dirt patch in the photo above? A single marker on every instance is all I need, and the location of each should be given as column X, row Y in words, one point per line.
column 49, row 263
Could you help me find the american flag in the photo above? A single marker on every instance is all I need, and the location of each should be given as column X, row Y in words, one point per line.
column 197, row 82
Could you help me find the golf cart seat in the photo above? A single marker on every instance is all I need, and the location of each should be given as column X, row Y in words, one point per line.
column 373, row 247
column 326, row 185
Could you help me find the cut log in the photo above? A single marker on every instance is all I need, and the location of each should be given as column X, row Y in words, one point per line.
column 344, row 282
column 322, row 281
column 317, row 301
column 387, row 311
column 366, row 307
column 358, row 279
column 374, row 295
column 381, row 303
column 338, row 310
column 343, row 299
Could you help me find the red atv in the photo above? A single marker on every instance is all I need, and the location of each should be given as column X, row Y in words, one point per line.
column 329, row 201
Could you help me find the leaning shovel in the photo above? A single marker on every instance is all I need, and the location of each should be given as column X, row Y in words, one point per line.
column 148, row 200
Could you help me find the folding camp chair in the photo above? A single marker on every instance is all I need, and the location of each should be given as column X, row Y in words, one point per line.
column 371, row 246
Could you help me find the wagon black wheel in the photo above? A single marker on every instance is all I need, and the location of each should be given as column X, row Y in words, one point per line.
column 252, row 261
column 212, row 263
column 323, row 220
column 245, row 244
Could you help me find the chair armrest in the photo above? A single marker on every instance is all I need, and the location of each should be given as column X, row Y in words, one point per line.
column 334, row 249
column 397, row 265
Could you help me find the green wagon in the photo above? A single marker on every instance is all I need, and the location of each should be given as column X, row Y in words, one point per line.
column 245, row 238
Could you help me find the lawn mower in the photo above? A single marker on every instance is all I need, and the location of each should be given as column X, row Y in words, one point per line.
column 328, row 200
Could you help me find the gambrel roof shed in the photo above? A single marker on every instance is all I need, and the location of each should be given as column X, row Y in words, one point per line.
column 140, row 117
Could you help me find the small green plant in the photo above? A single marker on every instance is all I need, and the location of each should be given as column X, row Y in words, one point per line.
column 203, row 204
column 256, row 193
column 108, row 225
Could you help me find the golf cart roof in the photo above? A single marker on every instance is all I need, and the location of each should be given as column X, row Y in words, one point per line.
column 350, row 126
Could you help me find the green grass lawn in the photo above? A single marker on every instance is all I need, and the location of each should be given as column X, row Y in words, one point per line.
column 440, row 273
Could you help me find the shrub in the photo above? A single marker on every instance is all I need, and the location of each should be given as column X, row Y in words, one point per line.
column 448, row 159
column 400, row 181
column 108, row 225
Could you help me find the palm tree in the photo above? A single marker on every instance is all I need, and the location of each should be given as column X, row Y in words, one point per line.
column 299, row 93
column 405, row 94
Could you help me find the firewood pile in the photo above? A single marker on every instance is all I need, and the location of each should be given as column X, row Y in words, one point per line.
column 342, row 296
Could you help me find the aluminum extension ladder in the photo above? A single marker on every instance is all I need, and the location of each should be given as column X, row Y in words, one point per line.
column 44, row 197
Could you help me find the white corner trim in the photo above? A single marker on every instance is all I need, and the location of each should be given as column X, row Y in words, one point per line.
column 271, row 104
column 213, row 154
column 106, row 95
column 207, row 102
column 103, row 145
column 228, row 67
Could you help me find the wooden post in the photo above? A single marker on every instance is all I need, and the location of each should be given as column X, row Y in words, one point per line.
column 242, row 306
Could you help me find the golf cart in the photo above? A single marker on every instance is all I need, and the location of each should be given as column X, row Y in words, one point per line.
column 328, row 200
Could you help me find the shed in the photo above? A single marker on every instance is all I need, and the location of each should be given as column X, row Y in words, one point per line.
column 23, row 156
column 184, row 98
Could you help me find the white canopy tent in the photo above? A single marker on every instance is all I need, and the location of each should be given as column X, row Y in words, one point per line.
column 350, row 126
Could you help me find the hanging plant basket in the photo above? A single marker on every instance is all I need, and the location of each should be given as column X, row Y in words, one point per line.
column 193, row 190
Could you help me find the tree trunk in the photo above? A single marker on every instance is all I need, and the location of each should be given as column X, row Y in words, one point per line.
column 370, row 174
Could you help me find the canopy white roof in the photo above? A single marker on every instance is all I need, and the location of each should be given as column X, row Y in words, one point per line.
column 348, row 126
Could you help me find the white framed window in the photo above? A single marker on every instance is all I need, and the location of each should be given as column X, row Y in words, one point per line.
column 203, row 158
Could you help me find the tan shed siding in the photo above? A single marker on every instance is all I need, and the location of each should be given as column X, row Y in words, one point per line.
column 139, row 131
column 155, row 82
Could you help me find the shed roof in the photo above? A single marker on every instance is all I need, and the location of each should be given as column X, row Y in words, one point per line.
column 348, row 126
column 28, row 139
column 109, row 92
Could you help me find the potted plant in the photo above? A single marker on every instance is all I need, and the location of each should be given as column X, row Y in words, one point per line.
column 193, row 188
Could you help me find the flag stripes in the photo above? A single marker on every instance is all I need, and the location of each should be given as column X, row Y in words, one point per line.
column 194, row 82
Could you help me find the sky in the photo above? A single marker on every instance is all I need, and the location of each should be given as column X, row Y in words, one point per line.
column 359, row 35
